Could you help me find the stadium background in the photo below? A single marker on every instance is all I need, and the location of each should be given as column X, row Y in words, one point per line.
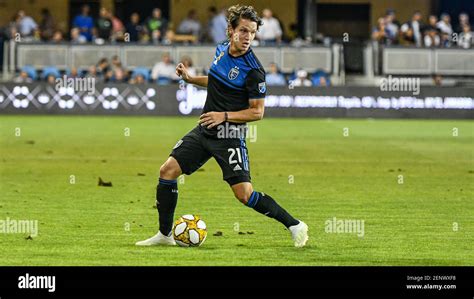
column 410, row 180
column 329, row 43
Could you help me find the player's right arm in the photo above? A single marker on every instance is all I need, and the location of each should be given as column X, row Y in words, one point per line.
column 182, row 71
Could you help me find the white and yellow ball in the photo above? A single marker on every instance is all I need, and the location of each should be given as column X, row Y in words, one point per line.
column 189, row 230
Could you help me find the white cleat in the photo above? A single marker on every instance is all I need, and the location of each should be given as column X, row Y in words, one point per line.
column 299, row 233
column 158, row 239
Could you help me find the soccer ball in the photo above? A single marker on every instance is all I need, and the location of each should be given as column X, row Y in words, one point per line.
column 189, row 230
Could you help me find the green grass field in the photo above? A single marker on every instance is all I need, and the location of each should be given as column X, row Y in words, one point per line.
column 426, row 220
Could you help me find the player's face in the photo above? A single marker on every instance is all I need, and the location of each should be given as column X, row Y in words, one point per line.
column 243, row 35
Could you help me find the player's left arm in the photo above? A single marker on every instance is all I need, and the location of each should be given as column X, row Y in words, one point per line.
column 256, row 88
column 253, row 113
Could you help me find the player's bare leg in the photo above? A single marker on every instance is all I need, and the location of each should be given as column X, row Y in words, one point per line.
column 265, row 204
column 166, row 199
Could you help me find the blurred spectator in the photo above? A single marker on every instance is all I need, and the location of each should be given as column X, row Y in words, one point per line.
column 188, row 63
column 47, row 25
column 23, row 78
column 84, row 22
column 466, row 38
column 273, row 77
column 301, row 79
column 140, row 75
column 115, row 71
column 102, row 69
column 217, row 26
column 437, row 80
column 156, row 26
column 392, row 26
column 321, row 78
column 51, row 79
column 50, row 73
column 190, row 25
column 164, row 69
column 26, row 24
column 138, row 79
column 31, row 71
column 117, row 74
column 91, row 72
column 115, row 62
column 270, row 32
column 445, row 24
column 411, row 30
column 13, row 28
column 380, row 33
column 393, row 17
column 76, row 37
column 103, row 28
column 321, row 81
column 73, row 73
column 117, row 27
column 432, row 23
column 169, row 36
column 446, row 30
column 463, row 20
column 134, row 28
column 431, row 32
column 57, row 37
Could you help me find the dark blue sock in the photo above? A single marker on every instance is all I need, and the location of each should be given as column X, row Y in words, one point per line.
column 266, row 205
column 166, row 200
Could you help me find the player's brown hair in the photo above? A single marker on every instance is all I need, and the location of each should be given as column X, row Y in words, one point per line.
column 236, row 12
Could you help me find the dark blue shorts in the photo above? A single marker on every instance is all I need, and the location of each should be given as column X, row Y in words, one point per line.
column 195, row 149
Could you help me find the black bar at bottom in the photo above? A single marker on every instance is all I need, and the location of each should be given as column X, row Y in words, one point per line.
column 224, row 282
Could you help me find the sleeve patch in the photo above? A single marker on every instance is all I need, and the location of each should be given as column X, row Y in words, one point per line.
column 262, row 87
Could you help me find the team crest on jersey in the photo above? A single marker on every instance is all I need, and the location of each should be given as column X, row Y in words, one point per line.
column 234, row 72
column 262, row 87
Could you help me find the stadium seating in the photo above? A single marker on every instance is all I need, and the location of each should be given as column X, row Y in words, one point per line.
column 69, row 55
column 385, row 60
column 31, row 71
column 144, row 72
column 50, row 70
column 80, row 72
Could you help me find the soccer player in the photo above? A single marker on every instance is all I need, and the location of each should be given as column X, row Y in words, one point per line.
column 235, row 95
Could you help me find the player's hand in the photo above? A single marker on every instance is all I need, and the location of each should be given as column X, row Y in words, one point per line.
column 182, row 72
column 211, row 119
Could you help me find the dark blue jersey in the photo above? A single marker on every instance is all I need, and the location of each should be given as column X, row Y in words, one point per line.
column 233, row 81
